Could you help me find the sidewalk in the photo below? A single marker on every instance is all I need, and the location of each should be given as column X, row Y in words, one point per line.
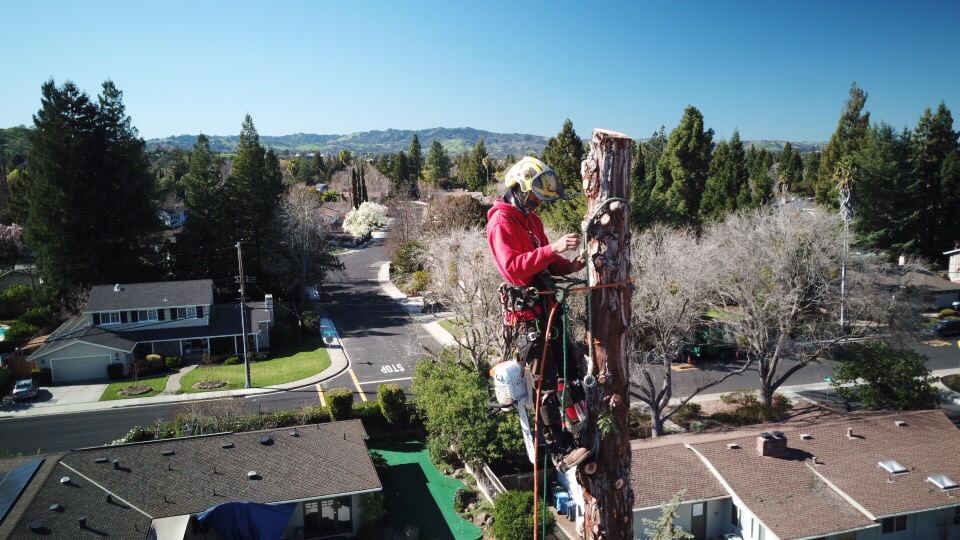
column 338, row 364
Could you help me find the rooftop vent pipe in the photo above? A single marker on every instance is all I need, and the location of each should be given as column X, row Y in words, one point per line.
column 82, row 522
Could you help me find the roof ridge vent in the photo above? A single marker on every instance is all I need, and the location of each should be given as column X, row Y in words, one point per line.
column 226, row 445
column 117, row 288
column 806, row 436
column 900, row 423
column 732, row 446
column 35, row 526
column 252, row 475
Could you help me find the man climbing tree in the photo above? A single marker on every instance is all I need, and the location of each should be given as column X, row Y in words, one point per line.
column 526, row 260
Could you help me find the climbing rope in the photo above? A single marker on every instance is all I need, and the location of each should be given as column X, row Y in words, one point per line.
column 562, row 294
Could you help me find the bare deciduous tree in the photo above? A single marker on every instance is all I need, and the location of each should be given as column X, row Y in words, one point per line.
column 779, row 290
column 673, row 282
column 305, row 239
column 464, row 278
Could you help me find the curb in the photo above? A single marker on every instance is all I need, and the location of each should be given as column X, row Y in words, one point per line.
column 413, row 307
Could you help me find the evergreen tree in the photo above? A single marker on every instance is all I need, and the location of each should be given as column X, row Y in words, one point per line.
column 933, row 196
column 354, row 188
column 789, row 169
column 401, row 174
column 883, row 219
column 256, row 184
column 564, row 153
column 683, row 168
column 363, row 185
column 645, row 204
column 318, row 168
column 480, row 167
column 90, row 195
column 716, row 201
column 739, row 173
column 206, row 226
column 415, row 159
column 811, row 167
column 437, row 165
column 846, row 141
column 665, row 528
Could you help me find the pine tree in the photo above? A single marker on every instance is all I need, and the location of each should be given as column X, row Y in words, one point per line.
column 665, row 528
column 739, row 173
column 883, row 219
column 354, row 183
column 208, row 222
column 932, row 195
column 401, row 174
column 415, row 159
column 716, row 202
column 363, row 185
column 480, row 166
column 645, row 203
column 90, row 195
column 564, row 153
column 847, row 140
column 318, row 168
column 437, row 165
column 683, row 168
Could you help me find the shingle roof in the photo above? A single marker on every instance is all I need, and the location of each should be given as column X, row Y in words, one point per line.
column 79, row 498
column 76, row 330
column 789, row 493
column 320, row 461
column 651, row 486
column 150, row 295
column 30, row 491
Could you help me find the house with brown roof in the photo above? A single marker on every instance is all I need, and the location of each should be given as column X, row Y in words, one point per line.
column 877, row 476
column 122, row 322
column 304, row 482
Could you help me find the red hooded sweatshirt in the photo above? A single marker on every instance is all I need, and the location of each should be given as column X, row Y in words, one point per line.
column 520, row 246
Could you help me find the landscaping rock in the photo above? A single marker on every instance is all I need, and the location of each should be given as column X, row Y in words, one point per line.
column 206, row 385
column 136, row 390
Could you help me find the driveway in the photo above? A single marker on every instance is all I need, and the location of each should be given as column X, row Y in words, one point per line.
column 59, row 396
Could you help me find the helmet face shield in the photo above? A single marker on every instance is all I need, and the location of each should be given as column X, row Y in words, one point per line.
column 547, row 186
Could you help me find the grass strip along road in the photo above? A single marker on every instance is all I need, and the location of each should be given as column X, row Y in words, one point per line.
column 292, row 362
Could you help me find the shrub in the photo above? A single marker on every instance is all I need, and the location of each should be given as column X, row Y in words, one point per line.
column 947, row 313
column 39, row 317
column 20, row 330
column 340, row 401
column 154, row 363
column 18, row 293
column 392, row 403
column 513, row 516
column 687, row 412
column 258, row 357
column 419, row 281
column 781, row 403
column 4, row 376
column 407, row 260
column 462, row 498
column 43, row 377
column 311, row 322
column 114, row 371
column 174, row 362
column 370, row 414
column 231, row 361
column 741, row 396
column 440, row 454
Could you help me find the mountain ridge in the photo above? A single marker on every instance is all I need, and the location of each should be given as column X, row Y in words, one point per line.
column 454, row 140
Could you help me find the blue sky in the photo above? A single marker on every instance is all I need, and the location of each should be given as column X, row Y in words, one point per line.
column 773, row 69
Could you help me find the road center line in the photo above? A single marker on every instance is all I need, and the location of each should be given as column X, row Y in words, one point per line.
column 323, row 401
column 388, row 380
column 357, row 384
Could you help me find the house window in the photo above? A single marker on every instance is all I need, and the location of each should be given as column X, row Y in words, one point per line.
column 327, row 517
column 147, row 315
column 734, row 515
column 110, row 317
column 187, row 313
column 893, row 524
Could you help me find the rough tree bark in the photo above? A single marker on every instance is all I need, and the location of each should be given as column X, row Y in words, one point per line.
column 608, row 511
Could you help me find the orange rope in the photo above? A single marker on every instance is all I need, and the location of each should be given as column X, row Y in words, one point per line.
column 581, row 289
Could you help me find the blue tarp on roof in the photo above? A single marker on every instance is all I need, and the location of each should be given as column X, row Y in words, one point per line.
column 249, row 521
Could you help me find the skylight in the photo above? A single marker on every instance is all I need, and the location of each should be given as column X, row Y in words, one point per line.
column 942, row 482
column 892, row 466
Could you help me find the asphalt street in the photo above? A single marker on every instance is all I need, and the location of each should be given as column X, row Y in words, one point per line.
column 381, row 341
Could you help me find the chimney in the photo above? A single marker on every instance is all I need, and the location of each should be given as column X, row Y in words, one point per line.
column 771, row 444
column 268, row 300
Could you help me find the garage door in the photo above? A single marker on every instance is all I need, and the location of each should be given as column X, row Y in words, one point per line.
column 80, row 369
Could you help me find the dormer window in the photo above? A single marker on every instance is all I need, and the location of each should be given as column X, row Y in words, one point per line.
column 145, row 315
column 187, row 313
column 110, row 317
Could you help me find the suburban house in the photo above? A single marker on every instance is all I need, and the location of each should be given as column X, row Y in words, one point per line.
column 175, row 217
column 21, row 274
column 294, row 483
column 877, row 476
column 126, row 321
column 953, row 267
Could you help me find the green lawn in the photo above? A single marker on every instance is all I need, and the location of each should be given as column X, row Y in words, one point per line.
column 451, row 325
column 158, row 382
column 297, row 361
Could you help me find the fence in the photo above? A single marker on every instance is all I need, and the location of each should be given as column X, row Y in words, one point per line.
column 18, row 366
column 489, row 484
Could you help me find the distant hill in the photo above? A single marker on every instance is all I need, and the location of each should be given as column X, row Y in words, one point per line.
column 454, row 140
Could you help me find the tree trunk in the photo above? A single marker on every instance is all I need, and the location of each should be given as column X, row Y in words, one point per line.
column 607, row 495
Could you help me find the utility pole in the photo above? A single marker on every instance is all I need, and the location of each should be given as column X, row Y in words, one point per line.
column 608, row 499
column 243, row 318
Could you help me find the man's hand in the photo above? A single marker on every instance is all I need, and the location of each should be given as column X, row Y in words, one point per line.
column 569, row 242
column 578, row 264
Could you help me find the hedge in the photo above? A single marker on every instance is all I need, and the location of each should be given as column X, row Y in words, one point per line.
column 392, row 403
column 174, row 362
column 340, row 402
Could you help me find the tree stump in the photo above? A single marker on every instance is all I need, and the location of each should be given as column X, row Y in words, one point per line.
column 607, row 494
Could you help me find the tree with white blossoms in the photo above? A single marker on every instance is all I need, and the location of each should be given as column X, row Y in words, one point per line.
column 362, row 221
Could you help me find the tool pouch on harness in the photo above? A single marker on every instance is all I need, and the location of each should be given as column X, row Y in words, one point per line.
column 519, row 313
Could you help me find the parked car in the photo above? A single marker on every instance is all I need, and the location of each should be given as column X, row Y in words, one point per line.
column 945, row 328
column 25, row 389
